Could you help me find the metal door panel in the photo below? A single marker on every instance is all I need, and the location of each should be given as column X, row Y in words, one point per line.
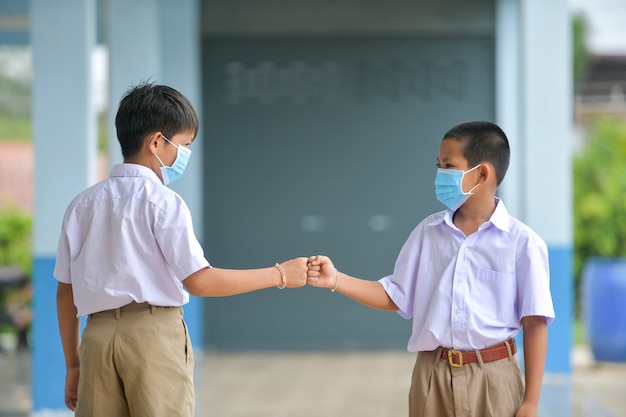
column 325, row 146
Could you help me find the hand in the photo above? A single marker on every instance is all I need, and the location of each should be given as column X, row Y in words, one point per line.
column 71, row 387
column 527, row 410
column 295, row 272
column 322, row 272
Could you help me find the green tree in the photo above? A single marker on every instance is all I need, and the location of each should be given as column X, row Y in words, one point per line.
column 600, row 195
column 581, row 55
column 15, row 238
column 14, row 109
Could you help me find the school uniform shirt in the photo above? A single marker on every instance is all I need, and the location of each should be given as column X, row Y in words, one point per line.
column 470, row 292
column 127, row 238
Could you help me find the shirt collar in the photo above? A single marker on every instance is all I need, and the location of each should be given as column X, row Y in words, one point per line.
column 133, row 170
column 499, row 218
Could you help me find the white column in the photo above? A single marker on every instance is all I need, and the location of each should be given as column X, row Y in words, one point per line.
column 133, row 35
column 508, row 101
column 64, row 134
column 180, row 64
column 547, row 109
column 157, row 40
column 547, row 132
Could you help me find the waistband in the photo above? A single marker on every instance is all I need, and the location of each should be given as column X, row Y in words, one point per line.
column 457, row 358
column 133, row 306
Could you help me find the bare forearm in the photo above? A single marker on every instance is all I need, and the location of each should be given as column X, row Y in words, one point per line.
column 369, row 293
column 535, row 348
column 323, row 274
column 69, row 324
column 215, row 282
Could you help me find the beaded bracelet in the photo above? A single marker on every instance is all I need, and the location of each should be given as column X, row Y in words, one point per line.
column 283, row 277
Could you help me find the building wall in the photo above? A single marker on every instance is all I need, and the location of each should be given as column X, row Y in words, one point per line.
column 326, row 146
column 346, row 17
column 375, row 85
column 523, row 52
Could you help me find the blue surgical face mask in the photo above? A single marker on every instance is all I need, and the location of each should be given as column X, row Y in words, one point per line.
column 449, row 187
column 174, row 172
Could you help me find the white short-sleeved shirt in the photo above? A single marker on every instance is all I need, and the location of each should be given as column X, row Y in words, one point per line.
column 127, row 238
column 470, row 292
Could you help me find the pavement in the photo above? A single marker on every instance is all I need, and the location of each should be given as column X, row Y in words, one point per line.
column 337, row 384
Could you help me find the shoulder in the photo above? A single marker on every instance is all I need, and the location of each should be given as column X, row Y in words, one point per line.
column 87, row 195
column 428, row 225
column 434, row 219
column 140, row 189
column 160, row 196
column 524, row 233
column 514, row 228
column 435, row 222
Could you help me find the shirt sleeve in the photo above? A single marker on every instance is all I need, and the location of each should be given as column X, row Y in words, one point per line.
column 400, row 286
column 533, row 274
column 62, row 262
column 178, row 242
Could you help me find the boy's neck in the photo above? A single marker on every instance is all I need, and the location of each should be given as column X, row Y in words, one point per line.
column 471, row 215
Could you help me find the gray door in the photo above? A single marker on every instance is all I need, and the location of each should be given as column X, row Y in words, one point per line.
column 326, row 146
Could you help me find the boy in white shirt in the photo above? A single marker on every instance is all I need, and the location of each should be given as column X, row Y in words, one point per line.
column 471, row 277
column 128, row 258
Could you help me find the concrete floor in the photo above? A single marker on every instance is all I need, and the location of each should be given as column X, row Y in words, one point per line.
column 336, row 384
column 372, row 384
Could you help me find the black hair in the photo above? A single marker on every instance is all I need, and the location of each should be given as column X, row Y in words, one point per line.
column 147, row 108
column 483, row 142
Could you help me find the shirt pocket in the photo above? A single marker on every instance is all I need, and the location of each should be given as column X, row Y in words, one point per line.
column 494, row 294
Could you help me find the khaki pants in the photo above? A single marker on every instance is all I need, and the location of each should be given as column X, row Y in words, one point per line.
column 136, row 361
column 483, row 389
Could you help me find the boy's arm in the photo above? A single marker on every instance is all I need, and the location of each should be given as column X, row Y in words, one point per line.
column 69, row 327
column 322, row 273
column 216, row 282
column 535, row 348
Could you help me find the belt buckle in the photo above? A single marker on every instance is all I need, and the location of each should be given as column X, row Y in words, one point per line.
column 451, row 354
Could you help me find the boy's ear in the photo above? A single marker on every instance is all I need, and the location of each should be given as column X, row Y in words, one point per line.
column 486, row 171
column 152, row 142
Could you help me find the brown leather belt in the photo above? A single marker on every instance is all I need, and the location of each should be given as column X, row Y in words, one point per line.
column 456, row 358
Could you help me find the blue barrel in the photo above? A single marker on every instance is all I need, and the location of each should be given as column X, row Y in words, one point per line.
column 604, row 303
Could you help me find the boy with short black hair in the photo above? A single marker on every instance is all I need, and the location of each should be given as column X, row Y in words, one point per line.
column 471, row 277
column 128, row 258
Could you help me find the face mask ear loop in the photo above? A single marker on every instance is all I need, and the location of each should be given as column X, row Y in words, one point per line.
column 474, row 187
column 157, row 157
column 169, row 141
column 470, row 191
column 471, row 169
